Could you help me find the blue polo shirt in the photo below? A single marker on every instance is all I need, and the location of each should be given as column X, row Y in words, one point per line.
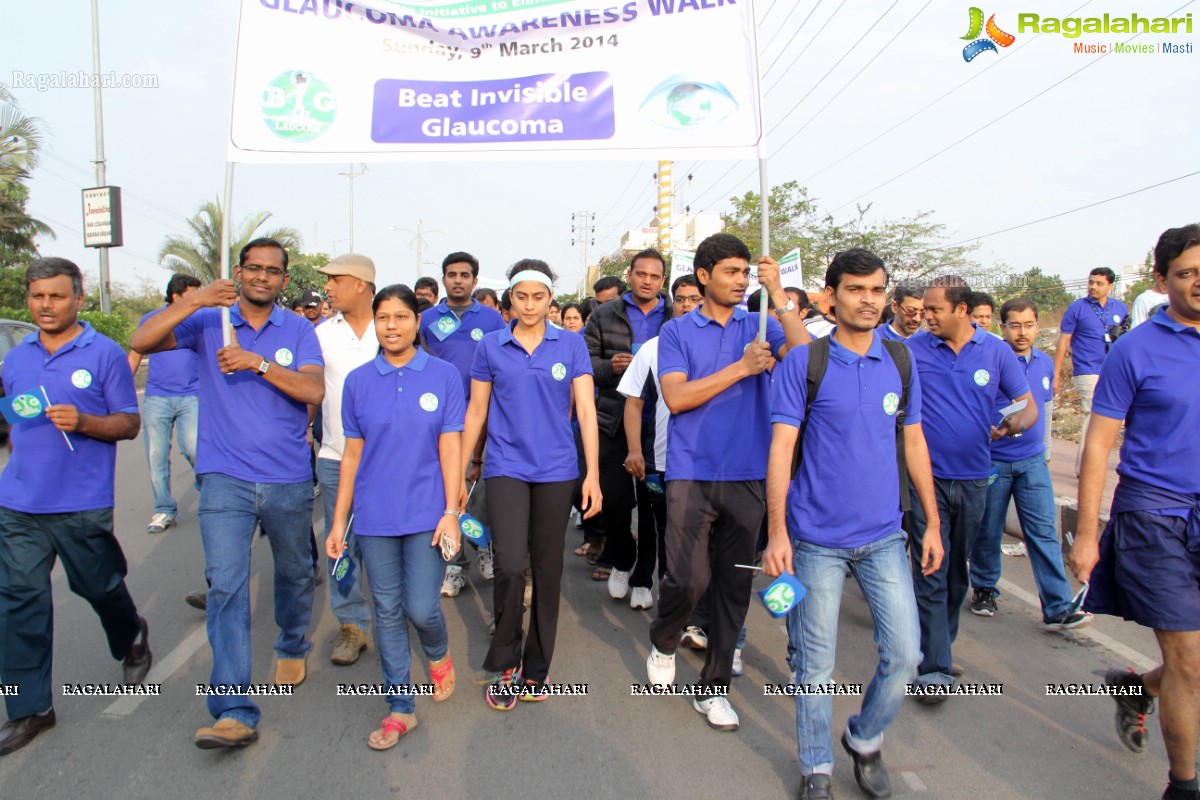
column 727, row 438
column 849, row 444
column 645, row 326
column 248, row 429
column 962, row 393
column 171, row 373
column 1088, row 323
column 529, row 416
column 888, row 332
column 399, row 413
column 446, row 337
column 1039, row 374
column 43, row 476
column 1151, row 380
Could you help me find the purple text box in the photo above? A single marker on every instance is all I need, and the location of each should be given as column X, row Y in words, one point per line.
column 536, row 108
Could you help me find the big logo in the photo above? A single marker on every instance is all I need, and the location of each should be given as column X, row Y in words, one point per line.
column 979, row 44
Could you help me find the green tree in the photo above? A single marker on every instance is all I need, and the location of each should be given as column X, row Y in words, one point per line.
column 1048, row 291
column 200, row 254
column 792, row 216
column 21, row 139
column 1143, row 283
column 302, row 269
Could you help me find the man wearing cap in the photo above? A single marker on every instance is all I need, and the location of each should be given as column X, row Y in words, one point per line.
column 252, row 452
column 310, row 307
column 348, row 341
column 451, row 330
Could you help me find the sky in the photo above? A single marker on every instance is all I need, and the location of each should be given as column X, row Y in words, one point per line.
column 1039, row 130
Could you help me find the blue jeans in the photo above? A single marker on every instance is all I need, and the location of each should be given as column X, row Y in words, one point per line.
column 406, row 579
column 351, row 609
column 159, row 415
column 881, row 569
column 940, row 595
column 230, row 510
column 1028, row 481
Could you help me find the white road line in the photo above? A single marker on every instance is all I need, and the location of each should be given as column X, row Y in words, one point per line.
column 1130, row 655
column 915, row 784
column 162, row 669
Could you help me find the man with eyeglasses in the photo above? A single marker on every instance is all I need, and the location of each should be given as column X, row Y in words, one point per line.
column 1021, row 474
column 908, row 306
column 252, row 452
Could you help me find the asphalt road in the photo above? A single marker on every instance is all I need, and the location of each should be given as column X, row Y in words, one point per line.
column 1021, row 744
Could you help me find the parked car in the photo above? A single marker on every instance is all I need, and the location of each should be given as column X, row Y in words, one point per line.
column 12, row 332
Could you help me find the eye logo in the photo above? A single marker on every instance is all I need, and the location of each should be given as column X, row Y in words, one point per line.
column 684, row 101
column 995, row 36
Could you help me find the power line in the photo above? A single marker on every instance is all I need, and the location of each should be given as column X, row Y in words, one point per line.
column 621, row 196
column 837, row 63
column 817, row 35
column 780, row 26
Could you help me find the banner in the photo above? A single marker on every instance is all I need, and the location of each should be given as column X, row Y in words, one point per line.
column 789, row 270
column 336, row 81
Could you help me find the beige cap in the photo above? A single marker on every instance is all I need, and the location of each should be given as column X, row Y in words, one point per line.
column 352, row 264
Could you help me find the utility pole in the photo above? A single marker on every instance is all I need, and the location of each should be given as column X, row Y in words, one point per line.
column 105, row 300
column 583, row 232
column 417, row 243
column 352, row 175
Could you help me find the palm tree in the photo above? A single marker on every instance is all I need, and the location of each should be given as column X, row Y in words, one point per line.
column 20, row 140
column 200, row 255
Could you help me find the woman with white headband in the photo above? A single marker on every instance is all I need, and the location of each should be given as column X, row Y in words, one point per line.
column 524, row 381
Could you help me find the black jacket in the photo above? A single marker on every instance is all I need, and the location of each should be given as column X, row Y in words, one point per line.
column 609, row 332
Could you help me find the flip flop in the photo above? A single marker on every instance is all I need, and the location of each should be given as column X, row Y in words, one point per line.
column 601, row 573
column 391, row 725
column 582, row 550
column 442, row 675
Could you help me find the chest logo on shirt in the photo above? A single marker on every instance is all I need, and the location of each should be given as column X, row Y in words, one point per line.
column 982, row 376
column 1046, row 383
column 446, row 325
column 891, row 403
column 477, row 334
column 429, row 401
column 27, row 406
column 81, row 378
column 1117, row 319
column 559, row 371
column 283, row 357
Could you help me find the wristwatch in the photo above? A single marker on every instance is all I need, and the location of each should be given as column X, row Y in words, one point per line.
column 791, row 306
column 262, row 368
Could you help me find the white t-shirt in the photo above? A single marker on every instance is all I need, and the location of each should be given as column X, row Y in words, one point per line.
column 1145, row 303
column 645, row 363
column 819, row 327
column 343, row 352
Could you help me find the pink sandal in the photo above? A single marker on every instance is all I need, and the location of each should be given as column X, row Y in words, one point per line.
column 390, row 724
column 442, row 675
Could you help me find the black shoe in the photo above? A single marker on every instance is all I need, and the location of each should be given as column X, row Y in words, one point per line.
column 318, row 576
column 983, row 604
column 1173, row 792
column 816, row 787
column 17, row 733
column 138, row 662
column 1131, row 709
column 197, row 600
column 869, row 771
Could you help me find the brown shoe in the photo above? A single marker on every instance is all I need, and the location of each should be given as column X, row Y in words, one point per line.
column 138, row 660
column 351, row 641
column 228, row 732
column 289, row 671
column 17, row 733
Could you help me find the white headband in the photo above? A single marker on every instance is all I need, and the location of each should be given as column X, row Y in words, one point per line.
column 531, row 275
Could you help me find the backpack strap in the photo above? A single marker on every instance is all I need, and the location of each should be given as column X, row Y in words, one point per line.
column 902, row 358
column 818, row 362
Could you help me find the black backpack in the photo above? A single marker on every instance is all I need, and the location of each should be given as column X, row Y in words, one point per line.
column 818, row 362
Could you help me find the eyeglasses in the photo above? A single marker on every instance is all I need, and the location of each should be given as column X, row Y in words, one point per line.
column 682, row 299
column 1020, row 326
column 254, row 269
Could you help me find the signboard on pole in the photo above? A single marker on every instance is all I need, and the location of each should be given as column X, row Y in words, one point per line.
column 324, row 81
column 102, row 217
column 789, row 273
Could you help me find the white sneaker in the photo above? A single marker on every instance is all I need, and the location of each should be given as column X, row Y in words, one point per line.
column 641, row 597
column 487, row 563
column 738, row 670
column 618, row 584
column 720, row 714
column 577, row 518
column 159, row 523
column 660, row 668
column 453, row 582
column 694, row 638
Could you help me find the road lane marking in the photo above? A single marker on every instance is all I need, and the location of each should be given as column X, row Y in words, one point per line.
column 915, row 784
column 162, row 669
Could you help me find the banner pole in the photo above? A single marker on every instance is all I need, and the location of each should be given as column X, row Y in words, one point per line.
column 226, row 210
column 764, row 212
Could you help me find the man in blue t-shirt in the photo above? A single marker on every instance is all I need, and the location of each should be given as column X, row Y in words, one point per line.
column 966, row 373
column 1021, row 475
column 170, row 404
column 713, row 373
column 1145, row 565
column 72, row 390
column 1090, row 325
column 253, row 453
column 849, row 461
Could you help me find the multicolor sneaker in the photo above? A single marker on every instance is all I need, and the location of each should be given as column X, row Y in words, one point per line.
column 534, row 691
column 504, row 700
column 1131, row 709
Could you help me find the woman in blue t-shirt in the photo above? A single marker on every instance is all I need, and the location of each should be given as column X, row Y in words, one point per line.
column 403, row 416
column 524, row 381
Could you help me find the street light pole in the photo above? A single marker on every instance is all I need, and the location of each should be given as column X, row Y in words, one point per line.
column 351, row 175
column 418, row 242
column 105, row 301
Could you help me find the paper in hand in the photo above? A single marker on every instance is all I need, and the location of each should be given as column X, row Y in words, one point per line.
column 1015, row 408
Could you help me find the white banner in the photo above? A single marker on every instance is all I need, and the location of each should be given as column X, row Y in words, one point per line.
column 789, row 269
column 335, row 81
